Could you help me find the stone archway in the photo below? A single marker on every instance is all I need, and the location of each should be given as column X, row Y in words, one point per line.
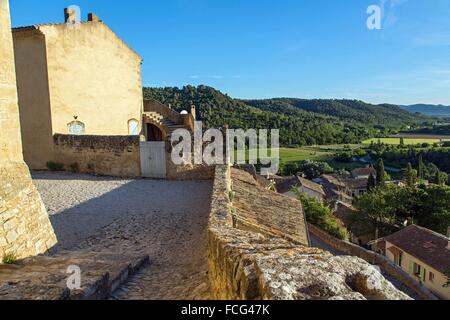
column 154, row 133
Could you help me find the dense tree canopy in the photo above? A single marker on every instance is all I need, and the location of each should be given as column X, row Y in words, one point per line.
column 301, row 122
column 390, row 206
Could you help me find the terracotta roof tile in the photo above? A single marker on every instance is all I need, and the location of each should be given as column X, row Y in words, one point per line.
column 426, row 245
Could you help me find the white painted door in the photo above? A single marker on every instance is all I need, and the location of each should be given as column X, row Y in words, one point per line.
column 153, row 159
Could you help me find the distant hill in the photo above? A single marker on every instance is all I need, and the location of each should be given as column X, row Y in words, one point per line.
column 301, row 122
column 429, row 109
column 385, row 115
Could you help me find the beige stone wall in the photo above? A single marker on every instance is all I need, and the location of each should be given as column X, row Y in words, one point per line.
column 103, row 155
column 92, row 75
column 34, row 97
column 25, row 229
column 10, row 140
column 188, row 172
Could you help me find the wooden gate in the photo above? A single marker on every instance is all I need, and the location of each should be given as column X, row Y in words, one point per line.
column 153, row 159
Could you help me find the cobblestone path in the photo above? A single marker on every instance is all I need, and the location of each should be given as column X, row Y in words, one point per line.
column 165, row 219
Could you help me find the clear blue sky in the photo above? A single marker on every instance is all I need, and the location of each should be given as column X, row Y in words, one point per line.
column 295, row 48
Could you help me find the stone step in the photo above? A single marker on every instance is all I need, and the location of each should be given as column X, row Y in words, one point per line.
column 45, row 278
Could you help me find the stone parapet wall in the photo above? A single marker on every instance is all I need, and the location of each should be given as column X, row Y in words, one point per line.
column 246, row 265
column 188, row 172
column 386, row 265
column 103, row 155
column 25, row 229
column 155, row 106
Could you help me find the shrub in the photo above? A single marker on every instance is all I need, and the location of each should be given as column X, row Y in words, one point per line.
column 231, row 196
column 74, row 167
column 321, row 216
column 54, row 166
column 9, row 258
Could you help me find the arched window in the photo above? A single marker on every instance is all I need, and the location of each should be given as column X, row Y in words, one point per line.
column 133, row 127
column 76, row 128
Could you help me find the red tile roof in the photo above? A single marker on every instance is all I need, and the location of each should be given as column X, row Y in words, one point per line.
column 289, row 183
column 427, row 246
column 363, row 172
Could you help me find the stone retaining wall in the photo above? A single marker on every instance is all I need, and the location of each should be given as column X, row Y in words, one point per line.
column 188, row 172
column 103, row 155
column 245, row 265
column 386, row 265
column 25, row 229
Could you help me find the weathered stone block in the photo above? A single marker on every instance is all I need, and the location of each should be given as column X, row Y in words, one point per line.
column 11, row 236
column 254, row 265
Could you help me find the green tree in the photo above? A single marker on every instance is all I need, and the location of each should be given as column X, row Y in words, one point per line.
column 373, row 212
column 381, row 173
column 410, row 176
column 321, row 216
column 402, row 142
column 421, row 169
column 437, row 178
column 427, row 206
column 447, row 275
column 372, row 183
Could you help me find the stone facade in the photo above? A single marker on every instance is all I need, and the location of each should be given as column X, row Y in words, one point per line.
column 66, row 74
column 253, row 265
column 103, row 155
column 25, row 229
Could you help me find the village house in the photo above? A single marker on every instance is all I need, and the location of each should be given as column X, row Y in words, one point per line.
column 363, row 173
column 342, row 188
column 303, row 185
column 74, row 78
column 421, row 253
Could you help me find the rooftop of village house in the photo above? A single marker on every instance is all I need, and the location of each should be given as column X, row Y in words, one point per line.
column 276, row 214
column 291, row 182
column 424, row 244
column 345, row 181
column 363, row 172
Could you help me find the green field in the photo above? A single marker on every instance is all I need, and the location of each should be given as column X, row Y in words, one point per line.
column 396, row 141
column 315, row 153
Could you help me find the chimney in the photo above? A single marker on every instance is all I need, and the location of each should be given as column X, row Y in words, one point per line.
column 70, row 15
column 93, row 17
column 194, row 112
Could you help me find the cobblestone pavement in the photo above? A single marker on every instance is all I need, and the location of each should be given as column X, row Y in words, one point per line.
column 165, row 219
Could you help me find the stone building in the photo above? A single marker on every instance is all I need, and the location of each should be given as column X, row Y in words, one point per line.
column 310, row 188
column 74, row 78
column 25, row 229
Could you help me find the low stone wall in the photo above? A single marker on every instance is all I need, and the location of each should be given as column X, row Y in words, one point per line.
column 386, row 265
column 103, row 155
column 246, row 265
column 188, row 172
column 25, row 229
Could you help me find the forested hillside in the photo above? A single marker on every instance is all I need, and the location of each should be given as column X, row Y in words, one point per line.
column 301, row 122
column 383, row 116
column 429, row 109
